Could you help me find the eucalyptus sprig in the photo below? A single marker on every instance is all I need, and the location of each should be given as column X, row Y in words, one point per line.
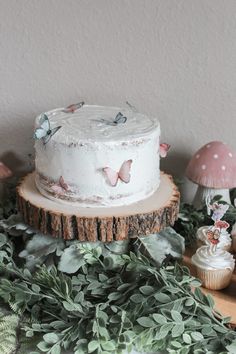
column 104, row 310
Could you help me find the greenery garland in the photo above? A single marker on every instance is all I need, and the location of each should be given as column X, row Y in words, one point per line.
column 96, row 298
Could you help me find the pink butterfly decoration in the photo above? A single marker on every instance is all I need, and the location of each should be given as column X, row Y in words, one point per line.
column 123, row 174
column 73, row 107
column 163, row 149
column 61, row 187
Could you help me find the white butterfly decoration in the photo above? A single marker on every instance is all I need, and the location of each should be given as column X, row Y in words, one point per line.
column 44, row 131
column 123, row 174
column 163, row 149
column 218, row 210
column 61, row 187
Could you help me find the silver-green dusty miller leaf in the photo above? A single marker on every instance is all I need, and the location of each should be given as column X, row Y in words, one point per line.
column 15, row 226
column 159, row 246
column 71, row 259
column 39, row 247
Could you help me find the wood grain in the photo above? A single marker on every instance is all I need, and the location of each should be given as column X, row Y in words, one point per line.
column 44, row 215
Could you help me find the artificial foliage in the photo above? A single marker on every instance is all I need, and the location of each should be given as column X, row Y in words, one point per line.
column 190, row 219
column 99, row 298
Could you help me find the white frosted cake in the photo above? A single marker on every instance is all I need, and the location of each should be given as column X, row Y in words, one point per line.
column 91, row 160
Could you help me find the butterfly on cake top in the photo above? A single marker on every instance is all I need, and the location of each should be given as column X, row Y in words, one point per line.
column 44, row 132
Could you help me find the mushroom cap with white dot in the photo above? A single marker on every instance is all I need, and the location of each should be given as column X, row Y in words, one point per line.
column 213, row 166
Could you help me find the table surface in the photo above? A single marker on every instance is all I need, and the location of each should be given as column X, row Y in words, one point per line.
column 225, row 299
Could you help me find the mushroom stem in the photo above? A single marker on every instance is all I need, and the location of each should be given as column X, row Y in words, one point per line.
column 203, row 192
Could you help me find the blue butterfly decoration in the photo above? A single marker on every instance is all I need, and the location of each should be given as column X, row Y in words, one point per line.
column 45, row 132
column 119, row 119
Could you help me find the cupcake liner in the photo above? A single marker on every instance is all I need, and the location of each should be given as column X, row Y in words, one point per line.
column 214, row 279
column 234, row 243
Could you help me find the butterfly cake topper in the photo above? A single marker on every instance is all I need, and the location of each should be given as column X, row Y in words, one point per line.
column 73, row 107
column 119, row 119
column 218, row 210
column 44, row 132
column 163, row 149
column 123, row 174
column 61, row 187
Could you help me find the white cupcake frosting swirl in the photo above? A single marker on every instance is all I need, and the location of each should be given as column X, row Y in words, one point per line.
column 205, row 258
column 225, row 239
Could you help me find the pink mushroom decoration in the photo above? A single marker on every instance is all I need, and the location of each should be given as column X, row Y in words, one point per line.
column 5, row 172
column 213, row 168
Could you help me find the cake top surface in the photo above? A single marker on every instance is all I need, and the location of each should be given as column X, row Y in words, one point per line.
column 97, row 123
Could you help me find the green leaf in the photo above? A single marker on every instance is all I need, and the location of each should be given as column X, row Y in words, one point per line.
column 146, row 290
column 177, row 330
column 137, row 298
column 162, row 297
column 51, row 338
column 3, row 239
column 163, row 331
column 186, row 338
column 146, row 322
column 44, row 347
column 36, row 288
column 189, row 302
column 176, row 316
column 166, row 242
column 71, row 260
column 196, row 283
column 114, row 296
column 72, row 307
column 110, row 346
column 159, row 318
column 56, row 349
column 93, row 345
column 38, row 248
column 176, row 344
column 231, row 347
column 197, row 336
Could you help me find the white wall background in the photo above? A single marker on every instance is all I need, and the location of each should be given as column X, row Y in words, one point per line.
column 174, row 59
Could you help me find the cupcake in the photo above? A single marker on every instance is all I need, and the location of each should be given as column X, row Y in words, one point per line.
column 225, row 240
column 214, row 267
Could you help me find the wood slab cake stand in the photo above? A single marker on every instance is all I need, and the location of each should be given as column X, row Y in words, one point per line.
column 104, row 224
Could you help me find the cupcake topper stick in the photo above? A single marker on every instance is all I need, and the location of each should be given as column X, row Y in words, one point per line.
column 133, row 108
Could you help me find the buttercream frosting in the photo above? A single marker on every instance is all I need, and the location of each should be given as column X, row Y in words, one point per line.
column 88, row 142
column 205, row 258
